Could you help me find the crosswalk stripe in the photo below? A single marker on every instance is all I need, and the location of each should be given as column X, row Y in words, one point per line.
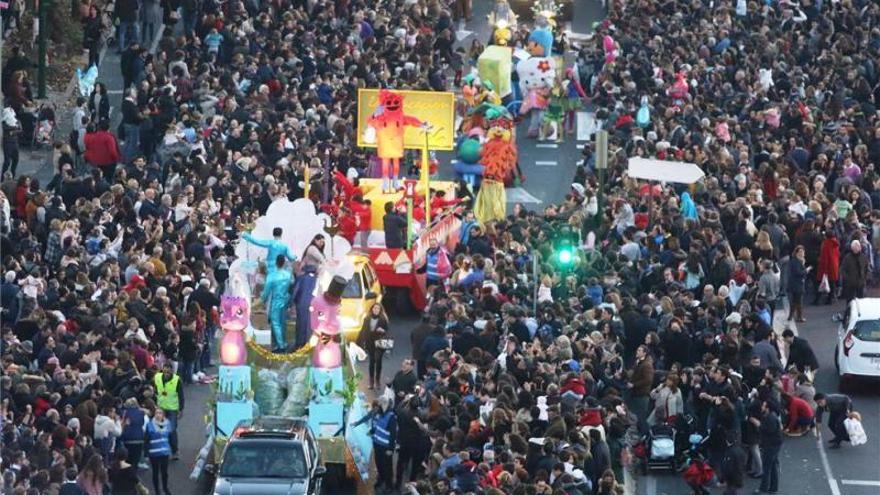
column 520, row 195
column 546, row 145
column 545, row 164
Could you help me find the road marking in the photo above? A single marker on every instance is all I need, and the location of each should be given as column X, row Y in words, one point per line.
column 520, row 195
column 114, row 91
column 860, row 482
column 835, row 489
column 462, row 34
column 545, row 164
column 586, row 126
column 651, row 486
column 546, row 145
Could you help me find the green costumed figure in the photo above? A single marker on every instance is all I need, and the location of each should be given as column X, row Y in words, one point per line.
column 554, row 115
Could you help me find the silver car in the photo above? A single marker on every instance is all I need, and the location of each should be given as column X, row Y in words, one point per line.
column 270, row 455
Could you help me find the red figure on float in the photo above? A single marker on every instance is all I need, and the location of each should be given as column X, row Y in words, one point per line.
column 390, row 122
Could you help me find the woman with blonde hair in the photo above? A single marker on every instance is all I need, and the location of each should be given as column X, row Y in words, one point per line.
column 763, row 248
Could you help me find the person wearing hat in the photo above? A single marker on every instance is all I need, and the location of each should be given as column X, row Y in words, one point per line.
column 276, row 296
column 275, row 246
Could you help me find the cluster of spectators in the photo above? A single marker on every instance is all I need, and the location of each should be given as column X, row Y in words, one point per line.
column 674, row 312
column 519, row 383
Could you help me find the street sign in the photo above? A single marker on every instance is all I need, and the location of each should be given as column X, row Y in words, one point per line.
column 664, row 171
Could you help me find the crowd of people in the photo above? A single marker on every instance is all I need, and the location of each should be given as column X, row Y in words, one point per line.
column 111, row 271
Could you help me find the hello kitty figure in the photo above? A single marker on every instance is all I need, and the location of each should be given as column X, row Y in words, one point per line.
column 234, row 319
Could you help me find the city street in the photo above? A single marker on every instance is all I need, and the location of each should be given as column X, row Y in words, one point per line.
column 808, row 466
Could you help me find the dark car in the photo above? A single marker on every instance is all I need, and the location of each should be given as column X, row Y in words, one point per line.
column 270, row 455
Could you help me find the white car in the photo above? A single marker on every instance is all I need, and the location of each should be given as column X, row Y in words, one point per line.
column 857, row 354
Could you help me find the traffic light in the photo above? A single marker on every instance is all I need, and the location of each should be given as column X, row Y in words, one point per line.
column 565, row 255
column 565, row 249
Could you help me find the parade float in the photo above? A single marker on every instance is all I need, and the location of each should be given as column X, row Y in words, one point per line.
column 423, row 121
column 317, row 381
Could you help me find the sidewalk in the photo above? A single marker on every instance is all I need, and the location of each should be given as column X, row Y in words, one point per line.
column 36, row 162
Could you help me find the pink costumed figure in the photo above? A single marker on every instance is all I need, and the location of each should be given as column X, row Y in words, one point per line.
column 324, row 317
column 610, row 49
column 390, row 122
column 234, row 319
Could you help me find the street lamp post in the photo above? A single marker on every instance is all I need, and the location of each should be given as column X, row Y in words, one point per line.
column 601, row 150
column 41, row 68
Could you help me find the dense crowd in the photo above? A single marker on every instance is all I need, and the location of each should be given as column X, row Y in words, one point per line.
column 111, row 271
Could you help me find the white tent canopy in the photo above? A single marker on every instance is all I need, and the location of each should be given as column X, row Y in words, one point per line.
column 664, row 171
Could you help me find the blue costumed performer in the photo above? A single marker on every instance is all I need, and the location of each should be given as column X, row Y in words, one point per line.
column 276, row 296
column 276, row 247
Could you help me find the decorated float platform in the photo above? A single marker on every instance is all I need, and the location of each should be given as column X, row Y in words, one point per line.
column 318, row 381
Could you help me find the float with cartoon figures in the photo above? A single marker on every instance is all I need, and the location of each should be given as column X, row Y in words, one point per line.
column 317, row 380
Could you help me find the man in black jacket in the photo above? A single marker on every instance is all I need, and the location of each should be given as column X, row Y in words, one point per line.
column 677, row 345
column 395, row 228
column 770, row 441
column 838, row 407
column 800, row 354
column 126, row 12
column 733, row 466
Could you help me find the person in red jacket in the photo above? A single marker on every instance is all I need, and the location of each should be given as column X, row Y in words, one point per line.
column 573, row 387
column 829, row 265
column 22, row 191
column 102, row 150
column 800, row 415
column 364, row 217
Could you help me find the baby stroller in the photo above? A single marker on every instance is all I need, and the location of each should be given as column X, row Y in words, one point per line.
column 44, row 131
column 660, row 443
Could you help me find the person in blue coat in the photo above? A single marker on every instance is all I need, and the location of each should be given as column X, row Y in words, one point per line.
column 133, row 422
column 156, row 433
column 276, row 247
column 276, row 297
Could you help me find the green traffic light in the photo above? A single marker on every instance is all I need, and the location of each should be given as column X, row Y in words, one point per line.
column 565, row 256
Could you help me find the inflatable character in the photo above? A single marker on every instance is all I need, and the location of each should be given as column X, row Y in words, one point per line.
column 503, row 22
column 470, row 89
column 679, row 90
column 276, row 297
column 610, row 47
column 498, row 156
column 390, row 122
column 275, row 246
column 467, row 166
column 536, row 77
column 545, row 12
column 643, row 116
column 324, row 316
column 234, row 320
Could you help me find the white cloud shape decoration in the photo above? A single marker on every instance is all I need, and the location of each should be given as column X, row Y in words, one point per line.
column 300, row 223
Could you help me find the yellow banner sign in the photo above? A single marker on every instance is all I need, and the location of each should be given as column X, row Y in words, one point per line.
column 435, row 108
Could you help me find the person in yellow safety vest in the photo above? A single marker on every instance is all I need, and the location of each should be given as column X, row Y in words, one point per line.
column 169, row 398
